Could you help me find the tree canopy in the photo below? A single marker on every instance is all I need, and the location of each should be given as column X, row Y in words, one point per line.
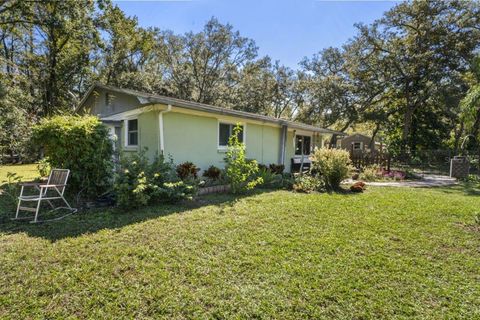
column 402, row 77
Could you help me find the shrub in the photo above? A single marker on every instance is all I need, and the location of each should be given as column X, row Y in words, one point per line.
column 187, row 170
column 10, row 188
column 131, row 186
column 269, row 179
column 240, row 172
column 370, row 173
column 44, row 167
column 333, row 165
column 307, row 183
column 276, row 168
column 261, row 166
column 213, row 173
column 175, row 191
column 138, row 182
column 288, row 180
column 81, row 144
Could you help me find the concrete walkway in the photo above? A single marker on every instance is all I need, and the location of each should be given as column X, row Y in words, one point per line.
column 428, row 180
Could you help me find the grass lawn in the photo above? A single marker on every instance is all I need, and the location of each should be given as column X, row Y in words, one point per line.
column 26, row 171
column 387, row 253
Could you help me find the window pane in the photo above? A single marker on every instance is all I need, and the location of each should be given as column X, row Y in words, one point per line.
column 306, row 145
column 240, row 134
column 132, row 125
column 298, row 145
column 132, row 138
column 223, row 134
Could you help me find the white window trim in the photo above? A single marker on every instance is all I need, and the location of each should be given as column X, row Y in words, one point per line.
column 303, row 134
column 125, row 124
column 244, row 133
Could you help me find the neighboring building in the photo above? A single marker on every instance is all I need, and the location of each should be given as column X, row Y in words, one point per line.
column 358, row 143
column 196, row 132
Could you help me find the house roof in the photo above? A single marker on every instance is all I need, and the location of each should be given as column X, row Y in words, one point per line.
column 358, row 135
column 148, row 98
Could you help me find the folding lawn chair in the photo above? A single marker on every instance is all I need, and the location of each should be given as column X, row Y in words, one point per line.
column 52, row 190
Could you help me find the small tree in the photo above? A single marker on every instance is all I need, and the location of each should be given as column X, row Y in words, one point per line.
column 81, row 144
column 241, row 173
column 332, row 165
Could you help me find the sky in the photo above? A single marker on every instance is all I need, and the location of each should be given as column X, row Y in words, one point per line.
column 286, row 30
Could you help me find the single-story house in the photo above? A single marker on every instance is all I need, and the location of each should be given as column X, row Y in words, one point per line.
column 196, row 132
column 358, row 143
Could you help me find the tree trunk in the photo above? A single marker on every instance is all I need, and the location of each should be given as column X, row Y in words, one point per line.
column 407, row 125
column 375, row 131
column 458, row 137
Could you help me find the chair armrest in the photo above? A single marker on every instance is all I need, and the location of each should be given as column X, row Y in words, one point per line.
column 30, row 184
column 51, row 185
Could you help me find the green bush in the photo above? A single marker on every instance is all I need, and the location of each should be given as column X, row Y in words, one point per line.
column 44, row 167
column 269, row 179
column 307, row 183
column 139, row 182
column 240, row 172
column 333, row 166
column 11, row 188
column 370, row 173
column 272, row 180
column 81, row 144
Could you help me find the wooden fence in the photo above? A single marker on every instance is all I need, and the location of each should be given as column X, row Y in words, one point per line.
column 361, row 160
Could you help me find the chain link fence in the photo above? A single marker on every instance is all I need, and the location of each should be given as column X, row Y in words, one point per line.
column 424, row 162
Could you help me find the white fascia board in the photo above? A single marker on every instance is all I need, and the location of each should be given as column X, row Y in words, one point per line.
column 134, row 112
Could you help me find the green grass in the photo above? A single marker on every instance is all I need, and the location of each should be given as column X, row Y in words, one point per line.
column 26, row 171
column 387, row 253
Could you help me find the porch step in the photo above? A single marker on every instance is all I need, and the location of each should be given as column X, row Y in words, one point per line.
column 28, row 209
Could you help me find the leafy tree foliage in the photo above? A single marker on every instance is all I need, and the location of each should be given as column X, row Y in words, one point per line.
column 470, row 104
column 403, row 73
column 402, row 77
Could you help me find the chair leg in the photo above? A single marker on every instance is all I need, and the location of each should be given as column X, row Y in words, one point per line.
column 18, row 208
column 68, row 205
column 38, row 208
column 19, row 202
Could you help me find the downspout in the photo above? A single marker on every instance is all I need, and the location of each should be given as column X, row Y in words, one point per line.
column 283, row 145
column 161, row 141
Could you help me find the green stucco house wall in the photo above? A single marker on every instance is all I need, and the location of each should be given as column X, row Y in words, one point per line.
column 190, row 131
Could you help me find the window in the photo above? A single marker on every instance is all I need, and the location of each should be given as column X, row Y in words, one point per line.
column 357, row 145
column 132, row 132
column 225, row 130
column 302, row 145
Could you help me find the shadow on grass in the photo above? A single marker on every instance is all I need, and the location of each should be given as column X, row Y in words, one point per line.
column 91, row 221
column 467, row 188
